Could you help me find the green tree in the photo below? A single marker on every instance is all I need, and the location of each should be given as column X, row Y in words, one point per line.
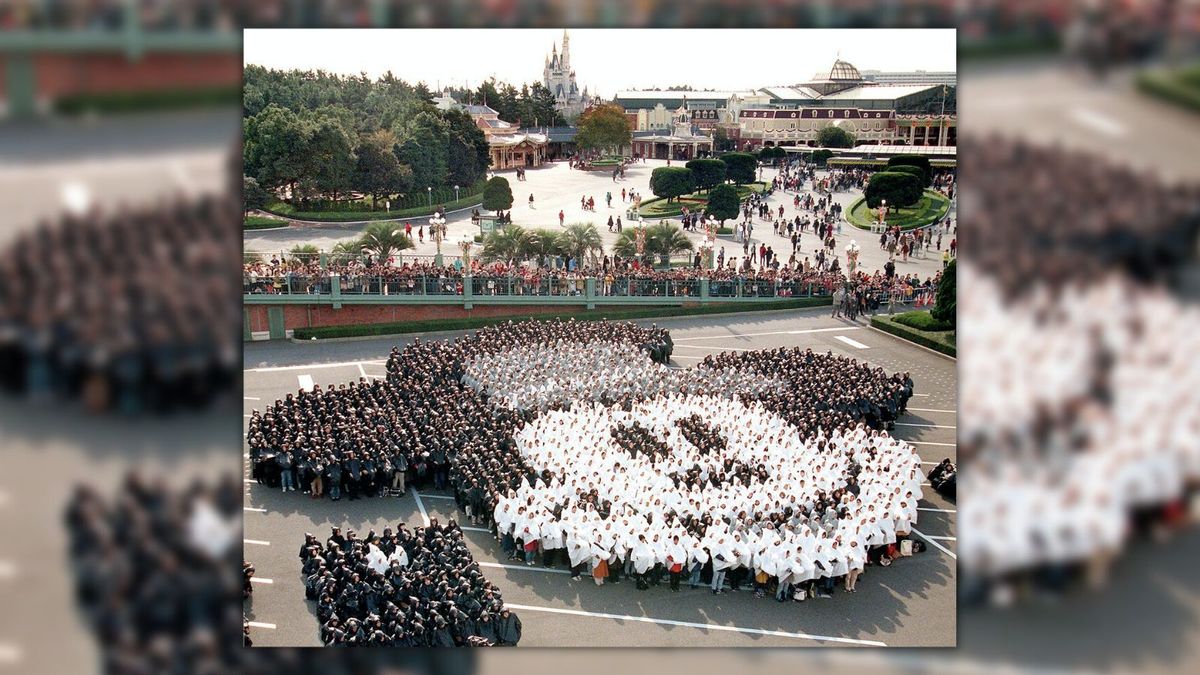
column 945, row 306
column 423, row 143
column 275, row 149
column 603, row 127
column 708, row 172
column 665, row 239
column 835, row 137
column 510, row 242
column 254, row 197
column 820, row 157
column 626, row 243
column 915, row 171
column 741, row 167
column 377, row 171
column 343, row 252
column 899, row 189
column 542, row 242
column 468, row 155
column 723, row 203
column 304, row 253
column 579, row 240
column 672, row 181
column 919, row 161
column 721, row 140
column 383, row 239
column 497, row 195
column 330, row 156
column 542, row 108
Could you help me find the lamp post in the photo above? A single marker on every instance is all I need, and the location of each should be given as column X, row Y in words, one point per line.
column 437, row 225
column 430, row 190
column 640, row 239
column 852, row 251
column 882, row 211
column 455, row 193
column 466, row 245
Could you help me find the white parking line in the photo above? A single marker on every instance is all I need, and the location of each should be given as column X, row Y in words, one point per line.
column 926, row 426
column 259, row 624
column 701, row 626
column 945, row 445
column 312, row 366
column 253, row 510
column 717, row 349
column 930, row 536
column 466, row 528
column 952, row 412
column 853, row 343
column 421, row 506
column 251, row 398
column 524, row 568
column 778, row 332
column 259, row 580
column 934, row 543
column 306, row 382
column 680, row 356
column 436, row 496
column 256, row 542
column 937, row 510
column 362, row 371
column 1098, row 122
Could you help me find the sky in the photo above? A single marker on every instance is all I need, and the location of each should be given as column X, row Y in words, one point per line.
column 606, row 61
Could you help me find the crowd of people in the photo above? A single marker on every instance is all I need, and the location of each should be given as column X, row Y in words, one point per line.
column 418, row 588
column 131, row 310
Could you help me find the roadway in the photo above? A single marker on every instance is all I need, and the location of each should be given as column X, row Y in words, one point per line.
column 912, row 603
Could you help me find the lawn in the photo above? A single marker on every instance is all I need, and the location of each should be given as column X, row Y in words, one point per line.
column 285, row 209
column 660, row 208
column 932, row 207
column 261, row 223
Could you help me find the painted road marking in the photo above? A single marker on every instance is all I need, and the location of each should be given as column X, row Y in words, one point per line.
column 1098, row 122
column 436, row 496
column 701, row 626
column 718, row 349
column 313, row 366
column 259, row 580
column 306, row 382
column 524, row 568
column 934, row 543
column 253, row 509
column 362, row 371
column 256, row 542
column 251, row 398
column 259, row 624
column 930, row 536
column 853, row 343
column 926, row 426
column 946, row 445
column 778, row 332
column 938, row 410
column 421, row 506
column 919, row 508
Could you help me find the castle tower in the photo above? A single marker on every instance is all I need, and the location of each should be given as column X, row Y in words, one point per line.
column 560, row 79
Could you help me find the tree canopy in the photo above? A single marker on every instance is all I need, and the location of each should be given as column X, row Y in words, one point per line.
column 919, row 161
column 603, row 127
column 672, row 181
column 383, row 239
column 497, row 195
column 945, row 307
column 741, row 167
column 723, row 203
column 708, row 172
column 898, row 188
column 835, row 137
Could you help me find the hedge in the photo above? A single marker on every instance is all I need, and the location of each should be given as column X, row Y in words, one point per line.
column 261, row 223
column 434, row 325
column 1180, row 87
column 943, row 342
column 289, row 211
column 932, row 207
column 142, row 101
column 659, row 208
column 922, row 320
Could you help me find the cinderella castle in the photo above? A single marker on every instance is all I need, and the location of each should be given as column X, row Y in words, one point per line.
column 559, row 78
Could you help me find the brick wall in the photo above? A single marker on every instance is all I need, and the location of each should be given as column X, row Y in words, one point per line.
column 309, row 316
column 62, row 74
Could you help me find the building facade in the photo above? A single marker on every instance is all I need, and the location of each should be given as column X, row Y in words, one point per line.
column 559, row 78
column 510, row 147
column 947, row 77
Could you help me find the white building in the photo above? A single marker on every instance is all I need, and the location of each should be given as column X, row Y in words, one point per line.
column 947, row 77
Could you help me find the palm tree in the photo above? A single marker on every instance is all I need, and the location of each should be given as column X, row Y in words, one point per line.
column 383, row 239
column 665, row 240
column 626, row 243
column 580, row 239
column 542, row 242
column 507, row 243
column 343, row 252
column 304, row 252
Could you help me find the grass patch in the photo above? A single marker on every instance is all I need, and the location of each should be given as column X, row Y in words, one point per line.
column 145, row 101
column 922, row 320
column 1180, row 87
column 932, row 207
column 697, row 201
column 360, row 330
column 262, row 223
column 941, row 341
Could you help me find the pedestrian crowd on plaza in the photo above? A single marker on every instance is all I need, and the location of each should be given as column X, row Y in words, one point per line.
column 418, row 588
column 127, row 310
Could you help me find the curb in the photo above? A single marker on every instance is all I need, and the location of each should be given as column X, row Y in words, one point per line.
column 910, row 342
column 355, row 222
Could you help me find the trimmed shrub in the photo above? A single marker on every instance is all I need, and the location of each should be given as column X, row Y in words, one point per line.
column 921, row 320
column 919, row 161
column 672, row 181
column 940, row 342
column 741, row 167
column 897, row 187
column 945, row 305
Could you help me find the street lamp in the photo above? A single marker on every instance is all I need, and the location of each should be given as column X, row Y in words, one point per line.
column 882, row 212
column 437, row 227
column 455, row 193
column 852, row 251
column 466, row 245
column 430, row 189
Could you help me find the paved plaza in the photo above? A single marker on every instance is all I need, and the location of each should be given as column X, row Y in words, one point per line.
column 557, row 187
column 911, row 603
